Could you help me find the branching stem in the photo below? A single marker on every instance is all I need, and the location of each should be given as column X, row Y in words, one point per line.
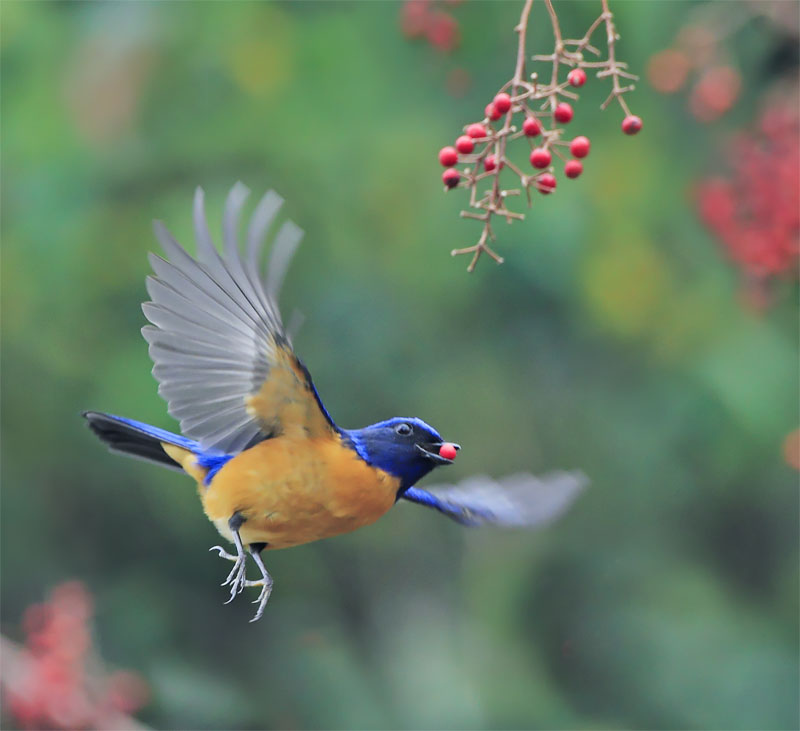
column 533, row 99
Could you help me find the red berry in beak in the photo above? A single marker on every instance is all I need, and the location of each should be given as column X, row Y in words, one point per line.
column 448, row 450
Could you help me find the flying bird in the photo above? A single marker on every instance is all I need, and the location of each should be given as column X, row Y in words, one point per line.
column 273, row 469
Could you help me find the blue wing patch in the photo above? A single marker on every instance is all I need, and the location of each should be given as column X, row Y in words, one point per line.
column 521, row 501
column 213, row 463
column 460, row 513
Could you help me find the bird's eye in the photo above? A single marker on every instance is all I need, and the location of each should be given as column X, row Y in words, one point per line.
column 403, row 429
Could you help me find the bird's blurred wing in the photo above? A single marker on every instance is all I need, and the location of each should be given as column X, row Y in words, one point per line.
column 521, row 500
column 222, row 358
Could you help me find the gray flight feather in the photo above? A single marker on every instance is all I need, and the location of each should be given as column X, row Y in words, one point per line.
column 286, row 243
column 520, row 500
column 215, row 321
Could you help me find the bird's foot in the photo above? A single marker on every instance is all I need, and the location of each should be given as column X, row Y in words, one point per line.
column 265, row 582
column 224, row 554
column 236, row 578
column 263, row 597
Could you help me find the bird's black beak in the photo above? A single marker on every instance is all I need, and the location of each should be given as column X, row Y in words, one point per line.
column 431, row 451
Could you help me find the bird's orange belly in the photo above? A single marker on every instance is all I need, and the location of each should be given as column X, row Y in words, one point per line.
column 296, row 491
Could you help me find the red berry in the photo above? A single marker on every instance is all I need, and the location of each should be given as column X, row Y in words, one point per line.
column 540, row 158
column 450, row 178
column 502, row 102
column 492, row 112
column 414, row 19
column 465, row 145
column 490, row 163
column 448, row 450
column 476, row 131
column 546, row 183
column 631, row 124
column 563, row 113
column 576, row 77
column 531, row 127
column 442, row 31
column 573, row 168
column 580, row 146
column 448, row 156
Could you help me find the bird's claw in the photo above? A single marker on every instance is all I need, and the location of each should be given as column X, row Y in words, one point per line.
column 262, row 599
column 224, row 554
column 265, row 582
column 236, row 578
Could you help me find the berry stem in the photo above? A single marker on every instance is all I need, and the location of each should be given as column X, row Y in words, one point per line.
column 583, row 44
column 614, row 69
column 558, row 50
column 480, row 247
column 493, row 205
column 522, row 30
column 517, row 171
column 541, row 101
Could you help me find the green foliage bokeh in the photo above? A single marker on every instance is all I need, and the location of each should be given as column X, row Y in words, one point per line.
column 611, row 341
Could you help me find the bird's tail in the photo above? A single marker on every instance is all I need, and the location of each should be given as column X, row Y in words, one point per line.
column 136, row 439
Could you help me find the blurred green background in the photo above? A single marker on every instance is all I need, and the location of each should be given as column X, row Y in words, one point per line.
column 613, row 340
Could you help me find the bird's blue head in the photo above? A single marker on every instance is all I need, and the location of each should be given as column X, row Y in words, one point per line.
column 407, row 448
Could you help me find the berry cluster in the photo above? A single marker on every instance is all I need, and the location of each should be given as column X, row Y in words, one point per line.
column 46, row 684
column 423, row 19
column 535, row 108
column 754, row 212
column 540, row 157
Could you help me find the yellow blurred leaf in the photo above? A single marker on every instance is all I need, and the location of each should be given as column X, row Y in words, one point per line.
column 262, row 63
column 625, row 280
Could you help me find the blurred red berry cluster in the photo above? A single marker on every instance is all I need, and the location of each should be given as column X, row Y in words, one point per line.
column 55, row 681
column 755, row 210
column 700, row 56
column 791, row 449
column 535, row 108
column 717, row 83
column 429, row 20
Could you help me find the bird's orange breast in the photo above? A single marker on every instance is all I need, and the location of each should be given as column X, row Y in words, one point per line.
column 293, row 490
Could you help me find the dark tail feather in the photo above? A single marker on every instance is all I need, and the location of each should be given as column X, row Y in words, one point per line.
column 136, row 439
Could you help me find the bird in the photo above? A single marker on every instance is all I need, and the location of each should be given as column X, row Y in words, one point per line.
column 273, row 469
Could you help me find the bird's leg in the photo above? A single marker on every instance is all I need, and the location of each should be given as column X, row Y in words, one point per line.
column 265, row 582
column 236, row 578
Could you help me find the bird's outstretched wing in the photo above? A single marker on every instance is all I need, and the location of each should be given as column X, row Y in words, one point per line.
column 222, row 357
column 521, row 500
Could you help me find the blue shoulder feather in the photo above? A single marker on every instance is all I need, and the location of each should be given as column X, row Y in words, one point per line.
column 461, row 514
